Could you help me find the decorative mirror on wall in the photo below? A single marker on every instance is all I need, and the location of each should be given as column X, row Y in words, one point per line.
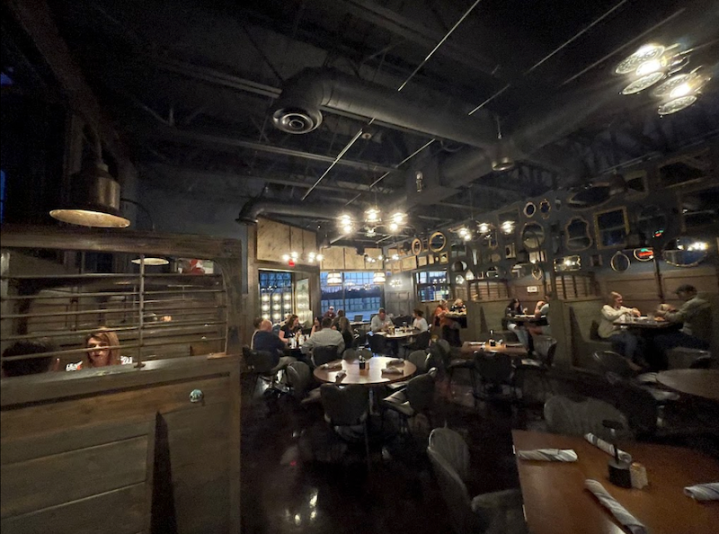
column 530, row 209
column 588, row 196
column 651, row 222
column 544, row 208
column 685, row 169
column 416, row 246
column 568, row 264
column 510, row 251
column 437, row 242
column 685, row 251
column 636, row 182
column 620, row 262
column 699, row 208
column 493, row 272
column 577, row 234
column 537, row 271
column 532, row 236
column 459, row 280
column 611, row 227
column 459, row 267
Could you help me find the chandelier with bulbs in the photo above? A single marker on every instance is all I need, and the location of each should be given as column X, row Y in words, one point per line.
column 654, row 63
column 373, row 222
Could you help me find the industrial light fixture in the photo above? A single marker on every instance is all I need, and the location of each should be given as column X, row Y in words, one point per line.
column 393, row 227
column 345, row 224
column 398, row 217
column 465, row 233
column 650, row 64
column 680, row 91
column 419, row 180
column 507, row 227
column 379, row 278
column 373, row 215
column 502, row 160
column 395, row 283
column 334, row 279
column 483, row 228
column 94, row 197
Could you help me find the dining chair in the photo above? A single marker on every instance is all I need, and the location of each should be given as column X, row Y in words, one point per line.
column 617, row 369
column 299, row 378
column 377, row 344
column 266, row 365
column 577, row 418
column 494, row 512
column 416, row 398
column 492, row 371
column 421, row 342
column 324, row 354
column 420, row 359
column 346, row 406
column 545, row 349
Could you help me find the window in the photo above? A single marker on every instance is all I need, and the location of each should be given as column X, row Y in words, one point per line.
column 432, row 286
column 356, row 295
column 275, row 295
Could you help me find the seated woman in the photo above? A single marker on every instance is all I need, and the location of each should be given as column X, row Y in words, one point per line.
column 345, row 328
column 291, row 327
column 420, row 323
column 100, row 354
column 623, row 341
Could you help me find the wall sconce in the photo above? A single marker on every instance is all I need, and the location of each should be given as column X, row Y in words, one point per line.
column 507, row 227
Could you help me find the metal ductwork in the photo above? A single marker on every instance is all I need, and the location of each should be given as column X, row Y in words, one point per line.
column 297, row 110
column 256, row 207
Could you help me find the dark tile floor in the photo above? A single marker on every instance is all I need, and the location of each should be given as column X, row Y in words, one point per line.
column 299, row 477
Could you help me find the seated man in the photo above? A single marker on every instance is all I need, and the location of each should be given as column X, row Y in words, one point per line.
column 324, row 337
column 696, row 315
column 380, row 322
column 623, row 341
column 267, row 341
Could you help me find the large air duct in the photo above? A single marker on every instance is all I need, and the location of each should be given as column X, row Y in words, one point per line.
column 256, row 207
column 297, row 110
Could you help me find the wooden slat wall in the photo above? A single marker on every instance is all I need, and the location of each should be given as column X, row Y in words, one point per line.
column 199, row 442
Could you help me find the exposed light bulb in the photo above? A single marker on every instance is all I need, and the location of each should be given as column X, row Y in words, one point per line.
column 653, row 65
column 483, row 228
column 680, row 90
column 320, row 257
column 285, row 257
column 393, row 227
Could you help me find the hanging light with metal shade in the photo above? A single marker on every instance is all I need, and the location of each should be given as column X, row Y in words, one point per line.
column 334, row 279
column 501, row 160
column 150, row 261
column 94, row 199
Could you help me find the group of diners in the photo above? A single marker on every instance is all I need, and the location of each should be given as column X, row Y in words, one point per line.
column 102, row 349
column 647, row 349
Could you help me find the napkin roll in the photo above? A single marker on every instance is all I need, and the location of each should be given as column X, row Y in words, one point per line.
column 548, row 455
column 396, row 361
column 703, row 492
column 335, row 365
column 618, row 511
column 607, row 447
column 392, row 371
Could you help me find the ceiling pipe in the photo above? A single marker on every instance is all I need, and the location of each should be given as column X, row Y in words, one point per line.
column 256, row 207
column 297, row 110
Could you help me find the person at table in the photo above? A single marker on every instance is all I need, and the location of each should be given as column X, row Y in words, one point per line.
column 380, row 322
column 325, row 336
column 256, row 325
column 438, row 318
column 29, row 366
column 420, row 323
column 316, row 325
column 290, row 328
column 623, row 341
column 336, row 320
column 267, row 341
column 345, row 328
column 696, row 316
column 330, row 313
column 104, row 349
column 515, row 308
column 541, row 311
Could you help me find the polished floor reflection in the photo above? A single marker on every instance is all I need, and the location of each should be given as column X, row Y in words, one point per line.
column 297, row 476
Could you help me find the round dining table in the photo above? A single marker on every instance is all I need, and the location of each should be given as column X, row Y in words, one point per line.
column 371, row 375
column 703, row 383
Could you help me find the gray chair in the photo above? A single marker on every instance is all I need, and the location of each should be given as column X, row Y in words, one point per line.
column 417, row 397
column 545, row 348
column 421, row 342
column 617, row 369
column 421, row 360
column 495, row 512
column 346, row 406
column 581, row 416
column 378, row 344
column 492, row 371
column 266, row 365
column 324, row 354
column 299, row 379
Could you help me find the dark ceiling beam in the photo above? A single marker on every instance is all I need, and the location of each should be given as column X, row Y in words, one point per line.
column 35, row 18
column 230, row 142
column 417, row 33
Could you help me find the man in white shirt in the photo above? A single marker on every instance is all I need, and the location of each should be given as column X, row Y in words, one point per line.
column 380, row 322
column 420, row 323
column 623, row 341
column 324, row 337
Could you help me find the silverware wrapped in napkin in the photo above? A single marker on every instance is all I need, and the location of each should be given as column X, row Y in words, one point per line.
column 618, row 511
column 703, row 492
column 332, row 365
column 396, row 361
column 548, row 455
column 607, row 447
column 392, row 371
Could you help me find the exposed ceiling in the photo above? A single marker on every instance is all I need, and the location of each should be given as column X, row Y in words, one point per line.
column 192, row 86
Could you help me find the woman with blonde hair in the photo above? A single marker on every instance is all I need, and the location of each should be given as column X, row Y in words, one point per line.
column 100, row 353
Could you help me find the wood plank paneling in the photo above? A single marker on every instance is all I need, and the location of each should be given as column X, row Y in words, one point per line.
column 353, row 261
column 119, row 511
column 273, row 240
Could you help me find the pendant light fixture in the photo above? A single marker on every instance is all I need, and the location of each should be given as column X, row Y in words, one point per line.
column 94, row 197
column 502, row 160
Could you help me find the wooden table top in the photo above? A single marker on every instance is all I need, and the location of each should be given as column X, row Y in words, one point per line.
column 370, row 376
column 697, row 382
column 398, row 335
column 645, row 322
column 555, row 501
column 470, row 347
column 519, row 319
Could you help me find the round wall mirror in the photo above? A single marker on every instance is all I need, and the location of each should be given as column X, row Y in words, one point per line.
column 577, row 232
column 459, row 279
column 416, row 246
column 588, row 196
column 620, row 262
column 652, row 222
column 530, row 209
column 459, row 267
column 685, row 251
column 544, row 208
column 532, row 236
column 537, row 271
column 437, row 242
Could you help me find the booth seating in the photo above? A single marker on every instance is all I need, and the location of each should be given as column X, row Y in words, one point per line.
column 584, row 321
column 484, row 317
